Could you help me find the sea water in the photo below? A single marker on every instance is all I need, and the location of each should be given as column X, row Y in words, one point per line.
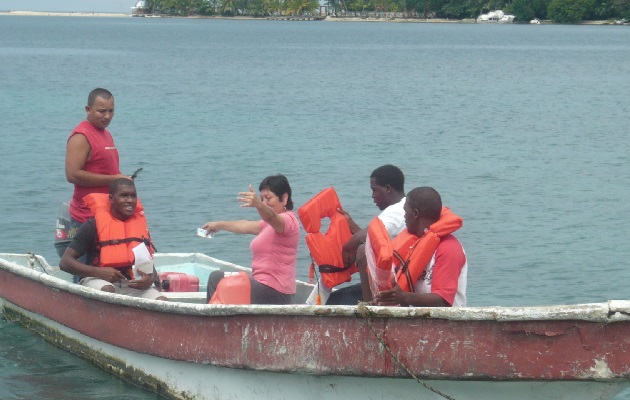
column 522, row 129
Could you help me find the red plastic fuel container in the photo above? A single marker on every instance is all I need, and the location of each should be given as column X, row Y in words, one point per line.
column 179, row 282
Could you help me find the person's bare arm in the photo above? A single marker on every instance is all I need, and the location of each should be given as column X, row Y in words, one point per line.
column 242, row 227
column 77, row 154
column 251, row 199
column 361, row 263
column 354, row 228
column 70, row 263
column 349, row 249
column 396, row 296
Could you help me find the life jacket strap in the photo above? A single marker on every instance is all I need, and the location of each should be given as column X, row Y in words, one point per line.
column 146, row 241
column 329, row 269
column 404, row 268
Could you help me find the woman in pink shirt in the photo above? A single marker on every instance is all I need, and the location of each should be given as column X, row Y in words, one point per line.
column 274, row 249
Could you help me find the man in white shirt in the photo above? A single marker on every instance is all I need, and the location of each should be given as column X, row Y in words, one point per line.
column 388, row 192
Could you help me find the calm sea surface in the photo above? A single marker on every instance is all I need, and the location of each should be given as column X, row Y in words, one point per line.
column 524, row 130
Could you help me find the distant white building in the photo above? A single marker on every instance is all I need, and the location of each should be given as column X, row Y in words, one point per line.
column 497, row 17
column 140, row 8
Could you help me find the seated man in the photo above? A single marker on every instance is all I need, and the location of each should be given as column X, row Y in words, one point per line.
column 109, row 254
column 388, row 192
column 430, row 263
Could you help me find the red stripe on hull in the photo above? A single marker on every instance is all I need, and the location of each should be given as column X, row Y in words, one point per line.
column 342, row 345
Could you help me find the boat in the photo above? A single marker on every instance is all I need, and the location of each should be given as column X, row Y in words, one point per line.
column 186, row 349
column 496, row 17
column 535, row 21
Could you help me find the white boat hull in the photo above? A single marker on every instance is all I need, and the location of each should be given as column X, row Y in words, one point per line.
column 185, row 380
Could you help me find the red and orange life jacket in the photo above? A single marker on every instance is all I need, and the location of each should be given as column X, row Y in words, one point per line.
column 409, row 253
column 117, row 238
column 325, row 248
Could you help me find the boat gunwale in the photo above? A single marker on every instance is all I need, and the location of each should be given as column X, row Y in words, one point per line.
column 610, row 311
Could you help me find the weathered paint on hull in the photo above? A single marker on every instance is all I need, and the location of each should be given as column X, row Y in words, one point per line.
column 186, row 381
column 486, row 350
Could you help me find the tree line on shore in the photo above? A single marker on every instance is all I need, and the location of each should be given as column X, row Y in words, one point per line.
column 559, row 11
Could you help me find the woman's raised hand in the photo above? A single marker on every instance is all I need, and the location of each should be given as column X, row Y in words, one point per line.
column 249, row 199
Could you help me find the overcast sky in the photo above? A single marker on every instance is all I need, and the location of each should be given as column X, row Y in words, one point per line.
column 115, row 6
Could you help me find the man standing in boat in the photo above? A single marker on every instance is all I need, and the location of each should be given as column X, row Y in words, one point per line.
column 92, row 161
column 113, row 241
column 387, row 183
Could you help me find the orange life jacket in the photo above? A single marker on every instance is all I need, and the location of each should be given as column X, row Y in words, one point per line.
column 117, row 238
column 378, row 252
column 325, row 248
column 412, row 254
column 233, row 289
column 408, row 253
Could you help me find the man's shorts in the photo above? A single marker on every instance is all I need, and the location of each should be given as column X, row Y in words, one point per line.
column 95, row 283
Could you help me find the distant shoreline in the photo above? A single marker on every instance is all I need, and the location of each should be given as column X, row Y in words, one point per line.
column 63, row 14
column 331, row 19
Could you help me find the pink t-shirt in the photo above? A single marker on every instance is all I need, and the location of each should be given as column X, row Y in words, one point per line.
column 274, row 255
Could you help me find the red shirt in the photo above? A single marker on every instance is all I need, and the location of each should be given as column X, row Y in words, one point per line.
column 103, row 160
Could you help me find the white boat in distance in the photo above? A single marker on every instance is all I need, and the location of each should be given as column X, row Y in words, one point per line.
column 140, row 9
column 186, row 349
column 535, row 21
column 497, row 17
